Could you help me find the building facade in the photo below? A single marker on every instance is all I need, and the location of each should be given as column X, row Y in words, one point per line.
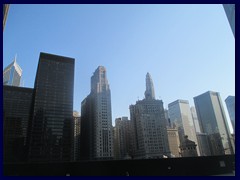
column 195, row 119
column 123, row 138
column 12, row 74
column 203, row 143
column 174, row 143
column 96, row 114
column 180, row 115
column 116, row 150
column 168, row 121
column 230, row 102
column 51, row 126
column 188, row 148
column 213, row 122
column 76, row 136
column 149, row 126
column 5, row 14
column 230, row 12
column 17, row 106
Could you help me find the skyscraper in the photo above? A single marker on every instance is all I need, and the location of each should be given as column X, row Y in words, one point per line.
column 149, row 125
column 76, row 136
column 50, row 129
column 203, row 143
column 213, row 122
column 12, row 74
column 123, row 138
column 230, row 12
column 5, row 13
column 195, row 119
column 174, row 143
column 180, row 115
column 168, row 122
column 17, row 106
column 96, row 119
column 230, row 102
column 149, row 93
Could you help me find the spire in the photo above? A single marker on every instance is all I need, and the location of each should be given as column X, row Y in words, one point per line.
column 15, row 59
column 149, row 93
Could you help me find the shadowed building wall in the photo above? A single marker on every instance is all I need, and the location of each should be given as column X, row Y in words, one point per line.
column 17, row 105
column 50, row 131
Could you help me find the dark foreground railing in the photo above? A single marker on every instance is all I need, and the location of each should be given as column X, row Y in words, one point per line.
column 192, row 166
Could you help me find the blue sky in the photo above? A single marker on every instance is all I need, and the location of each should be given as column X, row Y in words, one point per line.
column 187, row 49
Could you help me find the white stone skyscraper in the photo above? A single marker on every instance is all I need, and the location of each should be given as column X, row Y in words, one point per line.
column 149, row 125
column 149, row 93
column 12, row 74
column 96, row 119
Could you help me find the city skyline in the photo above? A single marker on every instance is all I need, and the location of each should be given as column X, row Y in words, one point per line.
column 180, row 54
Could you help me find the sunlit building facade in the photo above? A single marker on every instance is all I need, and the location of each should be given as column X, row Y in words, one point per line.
column 195, row 119
column 12, row 74
column 180, row 115
column 173, row 140
column 96, row 119
column 149, row 125
column 230, row 102
column 5, row 14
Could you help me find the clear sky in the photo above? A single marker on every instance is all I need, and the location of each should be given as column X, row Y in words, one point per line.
column 187, row 49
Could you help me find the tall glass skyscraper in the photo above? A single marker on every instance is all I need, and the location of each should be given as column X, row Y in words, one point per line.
column 12, row 74
column 51, row 128
column 195, row 119
column 230, row 102
column 180, row 115
column 96, row 119
column 213, row 122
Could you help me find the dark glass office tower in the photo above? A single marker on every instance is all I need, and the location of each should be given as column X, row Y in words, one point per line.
column 50, row 132
column 17, row 104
